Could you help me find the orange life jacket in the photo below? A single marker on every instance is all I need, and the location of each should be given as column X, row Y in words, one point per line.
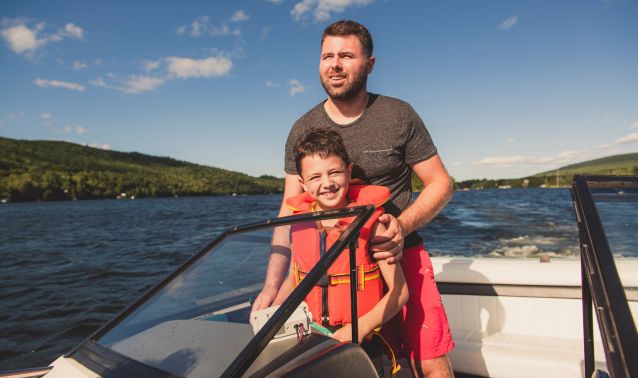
column 329, row 301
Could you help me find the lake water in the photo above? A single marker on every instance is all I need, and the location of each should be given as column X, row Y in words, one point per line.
column 68, row 267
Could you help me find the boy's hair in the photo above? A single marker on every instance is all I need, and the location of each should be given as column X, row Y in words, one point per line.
column 345, row 28
column 322, row 142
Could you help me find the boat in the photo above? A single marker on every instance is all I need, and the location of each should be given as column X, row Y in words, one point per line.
column 509, row 317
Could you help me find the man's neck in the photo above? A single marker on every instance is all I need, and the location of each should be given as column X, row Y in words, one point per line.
column 347, row 111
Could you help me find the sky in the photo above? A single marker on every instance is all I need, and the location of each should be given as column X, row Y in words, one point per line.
column 506, row 88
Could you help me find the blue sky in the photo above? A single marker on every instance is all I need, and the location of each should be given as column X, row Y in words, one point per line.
column 506, row 88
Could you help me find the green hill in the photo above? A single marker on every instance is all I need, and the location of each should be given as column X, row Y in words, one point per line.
column 48, row 170
column 625, row 164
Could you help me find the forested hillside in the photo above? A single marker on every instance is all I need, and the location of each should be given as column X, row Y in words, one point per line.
column 49, row 170
column 625, row 164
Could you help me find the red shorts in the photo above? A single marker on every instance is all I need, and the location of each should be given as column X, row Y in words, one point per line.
column 421, row 330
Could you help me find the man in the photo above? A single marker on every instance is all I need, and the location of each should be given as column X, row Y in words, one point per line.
column 387, row 141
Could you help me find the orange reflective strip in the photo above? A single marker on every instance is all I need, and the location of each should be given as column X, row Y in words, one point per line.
column 296, row 274
column 344, row 278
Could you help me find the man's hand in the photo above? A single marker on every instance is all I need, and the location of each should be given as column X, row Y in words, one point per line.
column 265, row 298
column 388, row 244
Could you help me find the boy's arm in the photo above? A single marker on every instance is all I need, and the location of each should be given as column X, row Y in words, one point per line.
column 286, row 288
column 395, row 298
column 279, row 260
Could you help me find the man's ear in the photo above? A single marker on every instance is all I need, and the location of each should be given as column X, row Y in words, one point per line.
column 371, row 61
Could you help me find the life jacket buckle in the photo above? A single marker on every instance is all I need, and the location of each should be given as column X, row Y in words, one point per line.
column 324, row 281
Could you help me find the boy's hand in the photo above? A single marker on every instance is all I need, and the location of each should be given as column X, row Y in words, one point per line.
column 265, row 298
column 345, row 334
column 388, row 244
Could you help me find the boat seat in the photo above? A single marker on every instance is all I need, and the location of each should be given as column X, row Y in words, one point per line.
column 510, row 355
column 520, row 317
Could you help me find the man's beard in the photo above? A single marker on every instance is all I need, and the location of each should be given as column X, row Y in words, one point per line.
column 348, row 91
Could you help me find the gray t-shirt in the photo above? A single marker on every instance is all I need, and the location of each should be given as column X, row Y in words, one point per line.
column 382, row 144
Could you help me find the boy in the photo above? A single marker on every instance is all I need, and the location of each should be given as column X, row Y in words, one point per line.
column 324, row 169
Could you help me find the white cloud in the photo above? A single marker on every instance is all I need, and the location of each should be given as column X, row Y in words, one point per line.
column 43, row 83
column 604, row 146
column 322, row 10
column 150, row 65
column 296, row 87
column 240, row 16
column 181, row 30
column 631, row 138
column 74, row 129
column 510, row 141
column 132, row 84
column 77, row 65
column 506, row 161
column 271, row 84
column 634, row 125
column 175, row 68
column 21, row 39
column 199, row 26
column 202, row 26
column 70, row 30
column 46, row 116
column 142, row 83
column 102, row 146
column 14, row 115
column 25, row 40
column 275, row 1
column 99, row 82
column 73, row 31
column 509, row 23
column 265, row 32
column 209, row 67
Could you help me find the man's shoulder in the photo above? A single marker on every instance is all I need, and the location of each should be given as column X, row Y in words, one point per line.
column 311, row 115
column 390, row 102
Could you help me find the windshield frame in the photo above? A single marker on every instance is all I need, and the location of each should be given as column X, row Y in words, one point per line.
column 107, row 362
column 600, row 280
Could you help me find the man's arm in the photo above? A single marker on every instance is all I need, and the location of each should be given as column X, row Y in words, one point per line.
column 279, row 260
column 436, row 193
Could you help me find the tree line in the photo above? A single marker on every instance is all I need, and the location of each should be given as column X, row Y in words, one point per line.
column 46, row 171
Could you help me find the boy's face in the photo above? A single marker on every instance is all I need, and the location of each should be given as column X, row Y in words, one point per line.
column 326, row 180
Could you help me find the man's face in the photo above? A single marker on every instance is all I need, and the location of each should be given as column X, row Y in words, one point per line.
column 344, row 68
column 326, row 180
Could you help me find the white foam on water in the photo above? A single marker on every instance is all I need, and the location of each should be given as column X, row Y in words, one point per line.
column 520, row 251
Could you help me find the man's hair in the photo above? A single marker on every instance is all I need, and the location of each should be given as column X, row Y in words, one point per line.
column 345, row 28
column 322, row 142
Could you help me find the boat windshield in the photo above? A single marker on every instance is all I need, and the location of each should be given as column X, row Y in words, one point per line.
column 196, row 322
column 618, row 211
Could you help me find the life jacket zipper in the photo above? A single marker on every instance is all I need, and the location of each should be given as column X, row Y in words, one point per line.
column 324, row 289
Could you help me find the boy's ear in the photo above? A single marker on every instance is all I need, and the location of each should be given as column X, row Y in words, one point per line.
column 350, row 168
column 302, row 183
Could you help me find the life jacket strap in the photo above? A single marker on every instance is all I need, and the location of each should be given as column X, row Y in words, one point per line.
column 363, row 275
column 396, row 367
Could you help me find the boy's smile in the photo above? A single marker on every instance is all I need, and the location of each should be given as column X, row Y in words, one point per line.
column 326, row 180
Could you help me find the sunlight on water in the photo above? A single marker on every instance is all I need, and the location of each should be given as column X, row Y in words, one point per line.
column 68, row 267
